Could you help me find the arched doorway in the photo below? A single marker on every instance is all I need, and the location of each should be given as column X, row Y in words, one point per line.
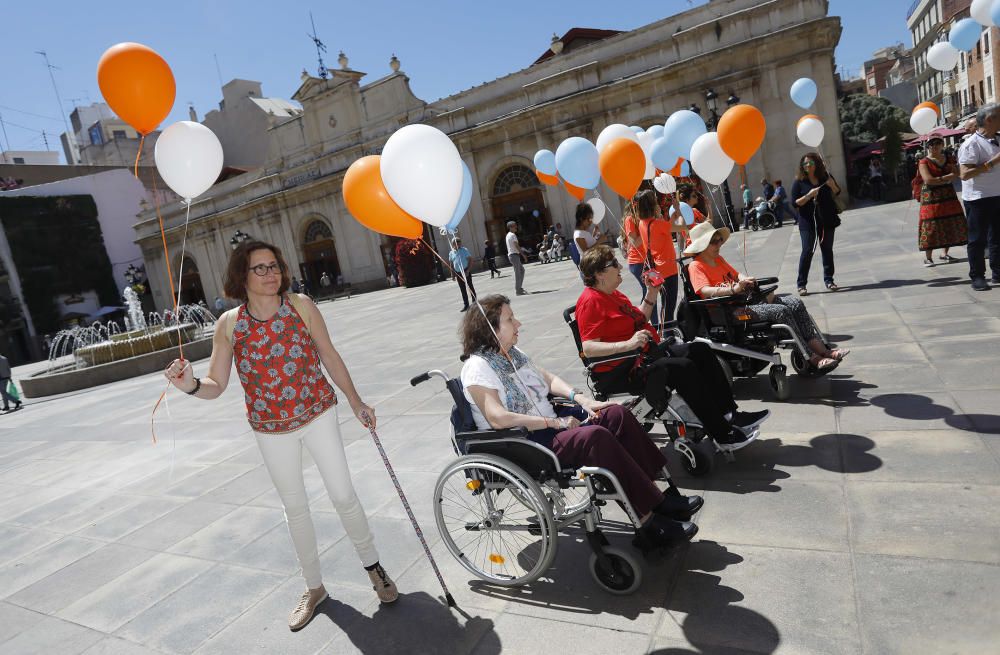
column 319, row 254
column 190, row 286
column 517, row 196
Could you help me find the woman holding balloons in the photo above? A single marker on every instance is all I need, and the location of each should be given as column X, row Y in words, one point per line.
column 656, row 239
column 813, row 194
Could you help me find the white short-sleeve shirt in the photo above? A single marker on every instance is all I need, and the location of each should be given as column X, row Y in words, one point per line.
column 513, row 246
column 976, row 151
column 478, row 372
column 588, row 237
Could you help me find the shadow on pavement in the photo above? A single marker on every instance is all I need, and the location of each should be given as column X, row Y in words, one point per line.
column 890, row 284
column 921, row 408
column 416, row 623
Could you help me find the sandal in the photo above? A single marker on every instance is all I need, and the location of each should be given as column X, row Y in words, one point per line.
column 838, row 354
column 823, row 363
column 948, row 258
column 832, row 286
column 803, row 292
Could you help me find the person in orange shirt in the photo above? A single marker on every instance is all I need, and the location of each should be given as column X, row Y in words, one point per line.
column 712, row 276
column 656, row 238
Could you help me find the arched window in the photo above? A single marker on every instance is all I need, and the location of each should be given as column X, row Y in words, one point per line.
column 318, row 231
column 515, row 178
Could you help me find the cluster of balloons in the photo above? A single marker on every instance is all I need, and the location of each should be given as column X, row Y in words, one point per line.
column 623, row 156
column 924, row 117
column 809, row 129
column 964, row 35
column 418, row 177
column 139, row 86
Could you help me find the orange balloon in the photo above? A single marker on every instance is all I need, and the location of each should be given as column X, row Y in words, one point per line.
column 551, row 180
column 371, row 205
column 741, row 131
column 799, row 122
column 676, row 170
column 138, row 85
column 622, row 164
column 575, row 191
column 937, row 110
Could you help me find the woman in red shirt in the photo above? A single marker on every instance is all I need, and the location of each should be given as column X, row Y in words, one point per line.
column 712, row 276
column 278, row 341
column 656, row 237
column 609, row 324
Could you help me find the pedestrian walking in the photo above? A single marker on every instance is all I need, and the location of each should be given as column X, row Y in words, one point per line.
column 779, row 199
column 875, row 178
column 278, row 341
column 516, row 257
column 747, row 205
column 768, row 189
column 978, row 158
column 460, row 258
column 813, row 193
column 325, row 281
column 4, row 383
column 942, row 221
column 490, row 258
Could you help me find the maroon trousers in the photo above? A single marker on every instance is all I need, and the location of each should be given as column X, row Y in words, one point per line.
column 616, row 441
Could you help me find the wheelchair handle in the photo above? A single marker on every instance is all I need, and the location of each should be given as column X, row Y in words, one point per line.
column 424, row 377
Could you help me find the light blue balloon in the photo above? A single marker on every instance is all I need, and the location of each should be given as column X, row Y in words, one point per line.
column 577, row 162
column 545, row 162
column 965, row 34
column 463, row 200
column 656, row 131
column 803, row 92
column 636, row 129
column 686, row 211
column 681, row 130
column 663, row 157
column 685, row 169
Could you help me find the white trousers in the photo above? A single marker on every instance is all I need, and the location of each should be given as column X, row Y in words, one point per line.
column 283, row 458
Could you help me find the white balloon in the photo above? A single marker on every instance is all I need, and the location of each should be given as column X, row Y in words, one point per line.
column 188, row 156
column 980, row 11
column 665, row 183
column 599, row 209
column 422, row 171
column 708, row 159
column 810, row 132
column 612, row 132
column 942, row 56
column 646, row 143
column 923, row 120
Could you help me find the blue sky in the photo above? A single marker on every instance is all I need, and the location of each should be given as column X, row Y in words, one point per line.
column 444, row 46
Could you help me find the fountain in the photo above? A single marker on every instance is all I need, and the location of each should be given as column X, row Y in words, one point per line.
column 83, row 357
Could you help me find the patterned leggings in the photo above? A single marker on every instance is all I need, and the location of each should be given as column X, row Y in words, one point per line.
column 792, row 312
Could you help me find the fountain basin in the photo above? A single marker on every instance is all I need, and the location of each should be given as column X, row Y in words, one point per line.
column 135, row 343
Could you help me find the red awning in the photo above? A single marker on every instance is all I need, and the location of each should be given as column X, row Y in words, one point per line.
column 943, row 132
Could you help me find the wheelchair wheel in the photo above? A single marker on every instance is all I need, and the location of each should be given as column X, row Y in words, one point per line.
column 507, row 539
column 622, row 577
column 754, row 226
column 779, row 382
column 694, row 458
column 803, row 367
column 766, row 221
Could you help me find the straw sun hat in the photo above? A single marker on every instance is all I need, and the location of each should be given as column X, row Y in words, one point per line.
column 701, row 235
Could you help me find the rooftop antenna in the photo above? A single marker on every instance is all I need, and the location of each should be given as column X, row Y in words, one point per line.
column 218, row 71
column 320, row 48
column 70, row 137
column 5, row 138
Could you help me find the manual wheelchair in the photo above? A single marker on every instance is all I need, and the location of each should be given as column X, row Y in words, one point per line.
column 500, row 505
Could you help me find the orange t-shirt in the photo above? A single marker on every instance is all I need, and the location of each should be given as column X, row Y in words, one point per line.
column 702, row 275
column 658, row 238
column 635, row 255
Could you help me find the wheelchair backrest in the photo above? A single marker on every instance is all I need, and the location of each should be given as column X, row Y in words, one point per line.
column 461, row 413
column 569, row 315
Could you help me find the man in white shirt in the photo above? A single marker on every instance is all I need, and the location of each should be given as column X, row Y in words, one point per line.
column 978, row 156
column 516, row 258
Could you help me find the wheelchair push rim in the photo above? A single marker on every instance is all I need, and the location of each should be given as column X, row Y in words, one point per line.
column 495, row 520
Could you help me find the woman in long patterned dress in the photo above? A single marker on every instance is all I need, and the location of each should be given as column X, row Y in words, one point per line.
column 942, row 221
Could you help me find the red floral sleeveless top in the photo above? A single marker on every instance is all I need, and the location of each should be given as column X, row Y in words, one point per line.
column 278, row 364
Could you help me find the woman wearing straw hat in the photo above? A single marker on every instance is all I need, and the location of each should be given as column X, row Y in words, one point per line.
column 279, row 340
column 712, row 277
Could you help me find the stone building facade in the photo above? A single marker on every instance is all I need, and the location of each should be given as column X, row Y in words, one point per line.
column 750, row 48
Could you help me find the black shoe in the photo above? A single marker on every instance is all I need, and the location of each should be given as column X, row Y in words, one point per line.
column 661, row 532
column 677, row 507
column 749, row 420
column 464, row 309
column 737, row 439
column 979, row 284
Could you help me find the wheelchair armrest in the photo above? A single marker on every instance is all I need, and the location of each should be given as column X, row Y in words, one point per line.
column 594, row 361
column 508, row 433
column 766, row 280
column 764, row 291
column 739, row 299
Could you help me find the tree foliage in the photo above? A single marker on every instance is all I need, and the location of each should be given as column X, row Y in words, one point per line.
column 865, row 118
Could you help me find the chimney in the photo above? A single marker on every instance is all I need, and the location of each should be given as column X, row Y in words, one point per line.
column 192, row 114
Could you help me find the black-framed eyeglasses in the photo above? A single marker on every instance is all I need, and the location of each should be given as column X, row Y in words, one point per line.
column 263, row 269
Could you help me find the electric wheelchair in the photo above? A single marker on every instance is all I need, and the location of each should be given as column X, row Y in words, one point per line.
column 744, row 345
column 500, row 505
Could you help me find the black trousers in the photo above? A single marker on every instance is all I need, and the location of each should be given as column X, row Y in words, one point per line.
column 983, row 216
column 691, row 370
column 463, row 280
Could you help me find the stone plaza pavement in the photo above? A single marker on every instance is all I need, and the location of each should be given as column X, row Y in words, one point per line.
column 864, row 520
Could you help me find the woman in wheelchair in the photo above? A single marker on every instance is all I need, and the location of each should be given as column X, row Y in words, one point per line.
column 712, row 276
column 505, row 390
column 611, row 325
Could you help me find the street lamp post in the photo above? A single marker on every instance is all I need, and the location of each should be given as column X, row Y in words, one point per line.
column 238, row 239
column 712, row 101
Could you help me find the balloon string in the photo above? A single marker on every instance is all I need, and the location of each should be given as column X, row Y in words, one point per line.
column 138, row 153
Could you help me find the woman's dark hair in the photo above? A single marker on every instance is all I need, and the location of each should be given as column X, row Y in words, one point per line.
column 777, row 183
column 935, row 139
column 594, row 261
column 818, row 168
column 684, row 192
column 583, row 212
column 475, row 331
column 235, row 285
column 646, row 204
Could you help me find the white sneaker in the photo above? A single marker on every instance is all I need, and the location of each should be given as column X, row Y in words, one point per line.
column 928, row 263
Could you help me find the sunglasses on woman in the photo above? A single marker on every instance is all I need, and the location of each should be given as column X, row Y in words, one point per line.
column 717, row 241
column 614, row 263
